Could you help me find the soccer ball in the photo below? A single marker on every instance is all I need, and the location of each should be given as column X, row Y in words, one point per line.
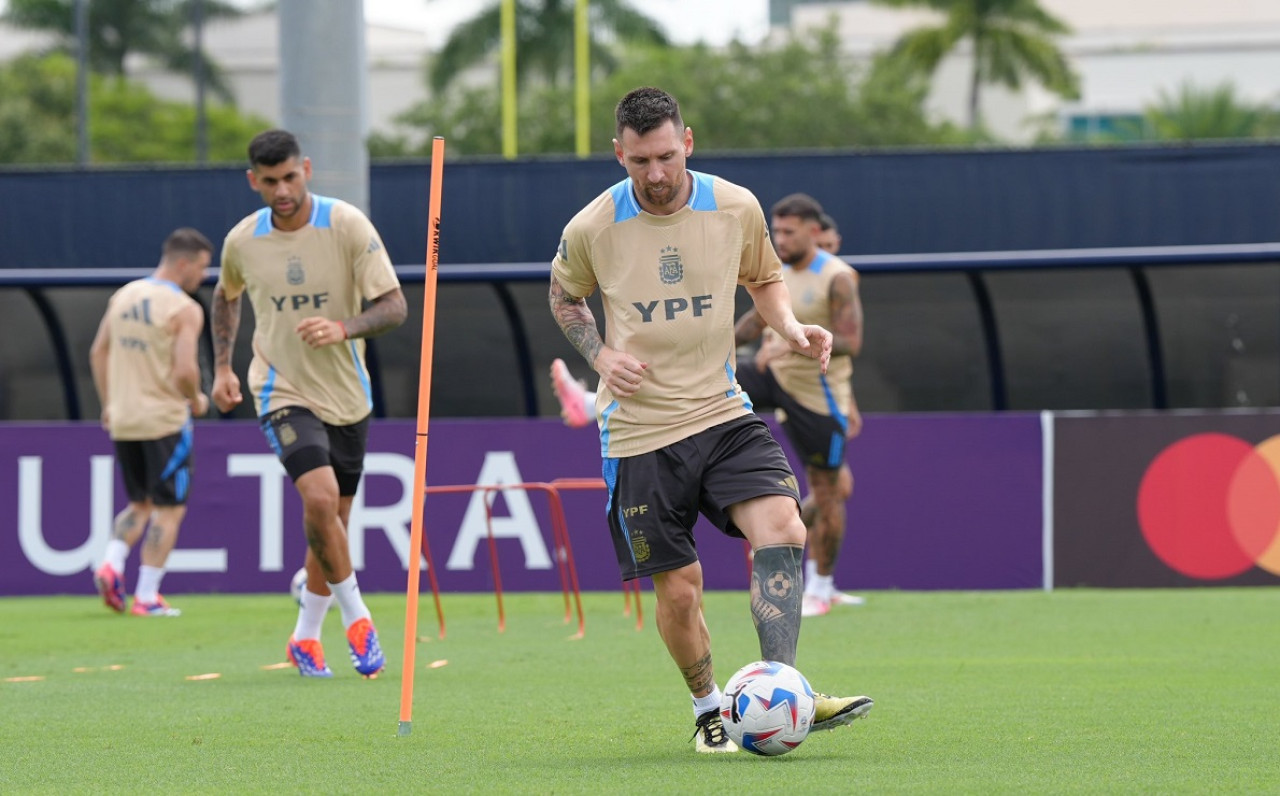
column 298, row 585
column 767, row 708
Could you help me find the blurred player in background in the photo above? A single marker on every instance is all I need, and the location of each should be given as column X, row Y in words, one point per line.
column 828, row 238
column 309, row 264
column 147, row 373
column 815, row 408
column 667, row 248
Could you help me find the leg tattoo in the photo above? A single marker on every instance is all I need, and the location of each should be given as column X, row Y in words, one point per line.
column 776, row 586
column 126, row 525
column 317, row 542
column 700, row 676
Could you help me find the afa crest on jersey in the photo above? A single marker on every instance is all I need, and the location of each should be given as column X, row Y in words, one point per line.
column 293, row 272
column 670, row 269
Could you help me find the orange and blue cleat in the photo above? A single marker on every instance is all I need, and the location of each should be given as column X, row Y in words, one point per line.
column 157, row 608
column 308, row 656
column 366, row 653
column 111, row 586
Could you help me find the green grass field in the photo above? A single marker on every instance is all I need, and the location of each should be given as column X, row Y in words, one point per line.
column 1172, row 691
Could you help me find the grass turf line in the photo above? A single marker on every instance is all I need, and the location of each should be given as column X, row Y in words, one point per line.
column 1077, row 691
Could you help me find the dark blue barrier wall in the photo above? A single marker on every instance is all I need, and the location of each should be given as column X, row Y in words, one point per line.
column 886, row 203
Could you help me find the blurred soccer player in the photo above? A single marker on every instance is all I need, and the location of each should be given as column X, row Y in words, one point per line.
column 667, row 248
column 308, row 263
column 147, row 374
column 828, row 238
column 815, row 408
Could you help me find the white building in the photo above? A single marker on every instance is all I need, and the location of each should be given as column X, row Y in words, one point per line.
column 1126, row 53
column 248, row 51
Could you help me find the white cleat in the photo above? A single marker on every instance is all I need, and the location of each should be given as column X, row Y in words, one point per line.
column 811, row 605
column 709, row 735
column 840, row 598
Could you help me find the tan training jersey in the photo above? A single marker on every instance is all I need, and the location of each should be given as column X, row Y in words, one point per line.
column 324, row 269
column 143, row 403
column 667, row 284
column 801, row 376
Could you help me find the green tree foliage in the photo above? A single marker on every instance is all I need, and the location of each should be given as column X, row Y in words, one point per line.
column 1192, row 112
column 544, row 40
column 1013, row 40
column 127, row 124
column 800, row 94
column 117, row 28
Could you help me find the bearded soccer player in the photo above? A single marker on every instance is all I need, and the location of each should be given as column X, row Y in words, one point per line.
column 147, row 374
column 309, row 265
column 667, row 248
column 814, row 406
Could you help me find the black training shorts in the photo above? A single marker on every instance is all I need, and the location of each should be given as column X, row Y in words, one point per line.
column 158, row 470
column 819, row 439
column 303, row 442
column 655, row 498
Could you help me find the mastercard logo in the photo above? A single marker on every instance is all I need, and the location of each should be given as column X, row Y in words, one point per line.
column 1209, row 506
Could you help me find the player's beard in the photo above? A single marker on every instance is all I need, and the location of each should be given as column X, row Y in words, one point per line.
column 294, row 207
column 791, row 257
column 666, row 197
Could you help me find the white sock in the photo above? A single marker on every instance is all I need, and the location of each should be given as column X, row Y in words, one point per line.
column 349, row 601
column 810, row 573
column 311, row 614
column 823, row 587
column 148, row 590
column 589, row 404
column 117, row 552
column 709, row 702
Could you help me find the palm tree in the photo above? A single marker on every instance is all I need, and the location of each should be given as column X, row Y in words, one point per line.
column 544, row 39
column 1011, row 39
column 120, row 27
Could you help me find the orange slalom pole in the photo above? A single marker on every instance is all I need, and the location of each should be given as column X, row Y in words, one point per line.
column 420, row 449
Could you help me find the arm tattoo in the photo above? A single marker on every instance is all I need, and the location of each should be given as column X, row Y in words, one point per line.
column 777, row 584
column 748, row 328
column 576, row 321
column 700, row 677
column 846, row 317
column 225, row 322
column 383, row 314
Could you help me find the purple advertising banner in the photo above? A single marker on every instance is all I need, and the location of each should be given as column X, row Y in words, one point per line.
column 940, row 502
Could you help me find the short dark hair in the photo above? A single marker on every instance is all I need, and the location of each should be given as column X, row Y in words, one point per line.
column 273, row 147
column 185, row 242
column 647, row 108
column 799, row 205
column 826, row 222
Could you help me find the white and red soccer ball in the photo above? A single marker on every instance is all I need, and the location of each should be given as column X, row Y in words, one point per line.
column 767, row 708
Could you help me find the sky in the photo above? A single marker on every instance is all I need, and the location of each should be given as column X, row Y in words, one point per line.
column 686, row 21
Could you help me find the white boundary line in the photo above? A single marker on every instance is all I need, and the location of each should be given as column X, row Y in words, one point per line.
column 1046, row 498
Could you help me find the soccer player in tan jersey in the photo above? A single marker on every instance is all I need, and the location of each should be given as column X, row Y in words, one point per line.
column 667, row 248
column 816, row 409
column 147, row 374
column 309, row 264
column 830, row 240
